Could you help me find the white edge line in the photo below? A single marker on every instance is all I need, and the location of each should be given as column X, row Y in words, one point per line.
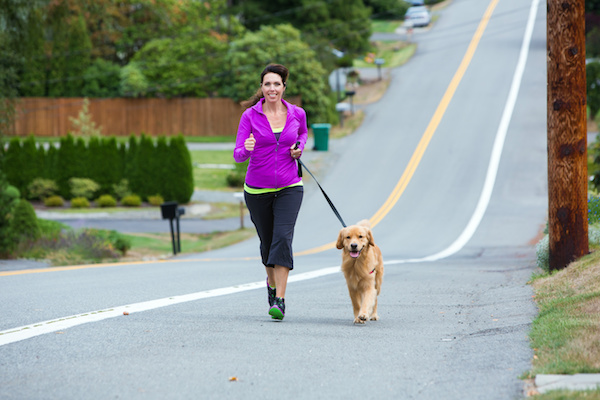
column 29, row 331
column 494, row 163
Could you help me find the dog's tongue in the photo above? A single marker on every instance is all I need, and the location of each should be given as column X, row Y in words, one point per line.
column 354, row 254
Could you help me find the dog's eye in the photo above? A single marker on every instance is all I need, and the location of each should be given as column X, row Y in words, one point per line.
column 347, row 237
column 360, row 236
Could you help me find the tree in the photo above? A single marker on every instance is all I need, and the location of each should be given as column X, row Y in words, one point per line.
column 70, row 49
column 178, row 170
column 343, row 24
column 248, row 56
column 189, row 65
column 101, row 79
column 387, row 9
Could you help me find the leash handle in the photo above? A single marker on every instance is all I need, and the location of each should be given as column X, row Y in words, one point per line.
column 335, row 211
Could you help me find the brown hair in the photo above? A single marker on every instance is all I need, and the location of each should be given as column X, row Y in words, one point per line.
column 275, row 68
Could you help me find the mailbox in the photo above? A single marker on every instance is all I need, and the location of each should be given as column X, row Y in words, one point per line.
column 169, row 210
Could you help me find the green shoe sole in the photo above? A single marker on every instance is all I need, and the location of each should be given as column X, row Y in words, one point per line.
column 276, row 313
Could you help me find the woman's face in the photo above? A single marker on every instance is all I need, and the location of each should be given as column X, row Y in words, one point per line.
column 272, row 87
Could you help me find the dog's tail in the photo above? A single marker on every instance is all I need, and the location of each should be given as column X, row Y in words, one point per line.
column 365, row 223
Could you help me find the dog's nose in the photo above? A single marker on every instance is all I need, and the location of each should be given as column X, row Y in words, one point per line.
column 353, row 245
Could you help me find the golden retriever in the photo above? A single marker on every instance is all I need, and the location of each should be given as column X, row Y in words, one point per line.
column 362, row 265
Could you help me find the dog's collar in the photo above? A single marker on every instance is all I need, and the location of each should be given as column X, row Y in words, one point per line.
column 372, row 271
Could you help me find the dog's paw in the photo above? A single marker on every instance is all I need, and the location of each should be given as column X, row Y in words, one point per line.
column 374, row 317
column 361, row 319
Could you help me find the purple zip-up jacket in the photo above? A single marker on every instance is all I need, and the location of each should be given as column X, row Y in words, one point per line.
column 271, row 165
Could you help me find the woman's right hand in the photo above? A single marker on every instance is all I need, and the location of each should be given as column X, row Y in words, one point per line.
column 250, row 142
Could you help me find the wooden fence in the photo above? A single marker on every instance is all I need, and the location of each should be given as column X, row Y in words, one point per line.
column 47, row 117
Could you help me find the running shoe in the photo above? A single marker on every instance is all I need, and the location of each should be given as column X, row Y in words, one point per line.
column 271, row 292
column 277, row 310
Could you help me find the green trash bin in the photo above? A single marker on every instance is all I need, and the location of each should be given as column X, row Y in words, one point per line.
column 321, row 133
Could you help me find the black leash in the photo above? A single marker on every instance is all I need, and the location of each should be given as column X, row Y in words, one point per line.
column 335, row 211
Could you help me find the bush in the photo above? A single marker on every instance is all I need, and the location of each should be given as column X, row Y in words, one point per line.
column 12, row 193
column 121, row 189
column 80, row 202
column 106, row 200
column 119, row 242
column 54, row 201
column 593, row 209
column 133, row 200
column 7, row 203
column 156, row 200
column 24, row 224
column 83, row 187
column 41, row 188
column 236, row 178
column 592, row 70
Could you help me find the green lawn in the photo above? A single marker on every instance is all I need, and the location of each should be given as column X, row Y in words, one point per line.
column 212, row 178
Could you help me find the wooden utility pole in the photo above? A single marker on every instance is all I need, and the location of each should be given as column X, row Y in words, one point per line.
column 567, row 132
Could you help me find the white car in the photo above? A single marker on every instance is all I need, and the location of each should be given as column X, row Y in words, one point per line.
column 417, row 16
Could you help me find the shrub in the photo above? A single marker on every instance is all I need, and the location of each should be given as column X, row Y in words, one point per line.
column 156, row 200
column 121, row 189
column 80, row 202
column 593, row 209
column 12, row 193
column 7, row 203
column 119, row 242
column 236, row 178
column 54, row 201
column 133, row 200
column 106, row 200
column 83, row 187
column 41, row 188
column 24, row 224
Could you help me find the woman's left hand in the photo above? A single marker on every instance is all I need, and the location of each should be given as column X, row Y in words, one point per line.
column 296, row 153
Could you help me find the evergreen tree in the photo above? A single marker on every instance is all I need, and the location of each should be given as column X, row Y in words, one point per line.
column 6, row 206
column 81, row 159
column 15, row 163
column 66, row 165
column 141, row 182
column 70, row 50
column 32, row 164
column 51, row 164
column 32, row 74
column 160, row 165
column 179, row 172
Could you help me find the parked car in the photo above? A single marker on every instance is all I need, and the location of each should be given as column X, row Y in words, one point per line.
column 417, row 16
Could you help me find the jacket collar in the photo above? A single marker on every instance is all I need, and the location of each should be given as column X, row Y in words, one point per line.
column 258, row 107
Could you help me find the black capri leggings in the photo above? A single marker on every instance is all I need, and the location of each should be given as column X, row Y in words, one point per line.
column 274, row 216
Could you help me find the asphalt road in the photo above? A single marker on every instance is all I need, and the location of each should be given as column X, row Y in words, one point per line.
column 455, row 307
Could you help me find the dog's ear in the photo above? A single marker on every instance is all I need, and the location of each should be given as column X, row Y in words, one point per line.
column 340, row 240
column 370, row 237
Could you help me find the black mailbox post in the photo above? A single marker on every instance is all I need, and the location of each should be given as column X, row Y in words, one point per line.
column 170, row 210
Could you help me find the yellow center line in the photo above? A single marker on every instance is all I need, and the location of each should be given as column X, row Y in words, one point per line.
column 398, row 189
column 415, row 160
column 435, row 120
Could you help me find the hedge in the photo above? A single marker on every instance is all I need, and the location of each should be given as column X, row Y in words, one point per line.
column 151, row 168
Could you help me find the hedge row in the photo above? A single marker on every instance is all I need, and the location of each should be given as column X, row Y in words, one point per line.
column 151, row 167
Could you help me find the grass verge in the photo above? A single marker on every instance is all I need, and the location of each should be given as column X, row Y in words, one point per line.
column 157, row 245
column 394, row 53
column 212, row 178
column 565, row 335
column 61, row 245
